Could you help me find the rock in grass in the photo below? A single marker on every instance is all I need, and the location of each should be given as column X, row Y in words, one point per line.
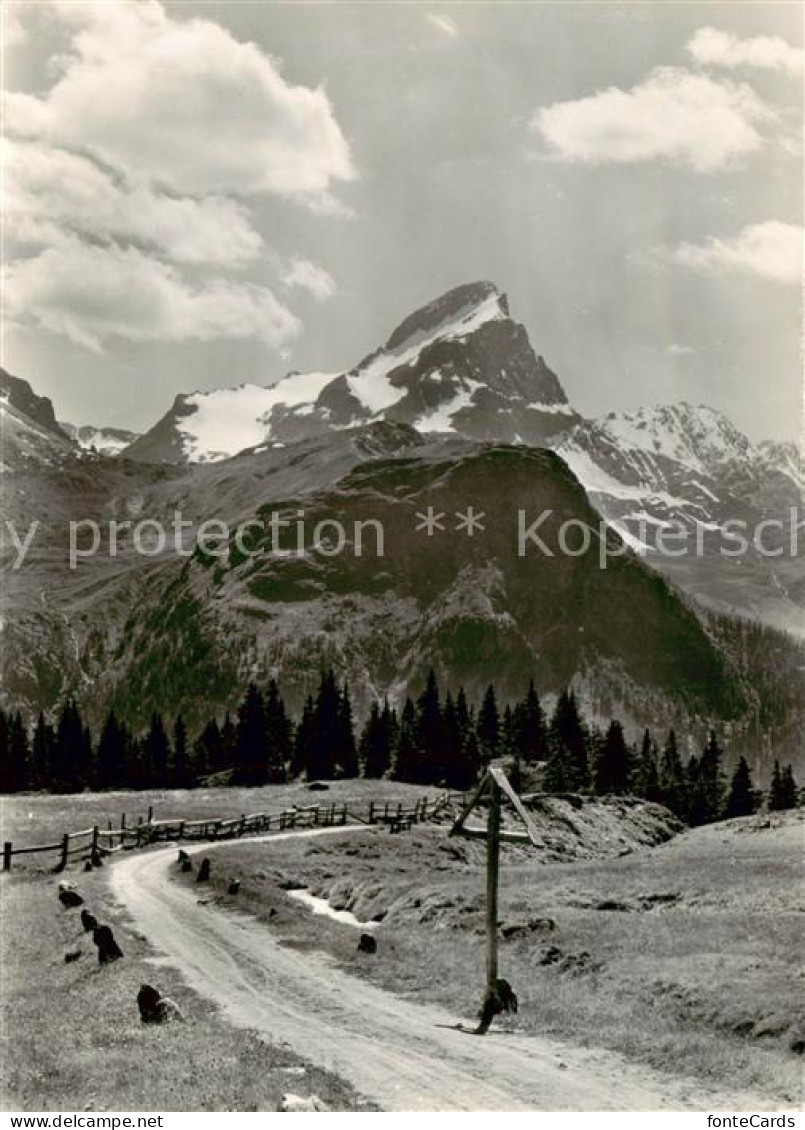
column 69, row 896
column 88, row 921
column 108, row 949
column 367, row 944
column 297, row 1104
column 156, row 1009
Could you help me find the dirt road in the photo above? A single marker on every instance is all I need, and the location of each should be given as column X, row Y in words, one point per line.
column 402, row 1055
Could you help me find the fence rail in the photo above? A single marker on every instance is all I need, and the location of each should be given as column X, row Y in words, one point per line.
column 97, row 842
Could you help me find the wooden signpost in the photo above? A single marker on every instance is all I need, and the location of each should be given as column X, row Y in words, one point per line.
column 494, row 785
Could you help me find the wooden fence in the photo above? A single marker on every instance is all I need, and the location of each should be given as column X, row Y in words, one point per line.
column 96, row 842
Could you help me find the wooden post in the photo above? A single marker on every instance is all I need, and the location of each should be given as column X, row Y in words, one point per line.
column 371, row 812
column 7, row 856
column 150, row 814
column 65, row 850
column 181, row 830
column 94, row 853
column 492, row 870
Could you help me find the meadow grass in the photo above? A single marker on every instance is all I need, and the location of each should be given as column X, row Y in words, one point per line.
column 72, row 1034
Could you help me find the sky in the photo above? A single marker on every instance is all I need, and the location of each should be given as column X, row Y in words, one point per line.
column 201, row 195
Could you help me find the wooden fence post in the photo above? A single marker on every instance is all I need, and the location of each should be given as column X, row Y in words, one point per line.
column 150, row 814
column 7, row 856
column 371, row 812
column 65, row 849
column 94, row 852
column 492, row 868
column 180, row 834
column 242, row 824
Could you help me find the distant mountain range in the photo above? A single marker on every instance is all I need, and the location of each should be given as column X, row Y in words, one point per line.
column 455, row 410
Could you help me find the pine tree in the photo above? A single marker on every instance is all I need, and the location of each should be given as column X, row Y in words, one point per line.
column 430, row 738
column 507, row 745
column 463, row 712
column 488, row 729
column 325, row 730
column 374, row 748
column 672, row 778
column 567, row 768
column 391, row 728
column 462, row 756
column 790, row 790
column 181, row 777
column 157, row 754
column 407, row 765
column 742, row 799
column 697, row 810
column 208, row 752
column 346, row 752
column 711, row 780
column 41, row 754
column 5, row 752
column 530, row 728
column 647, row 775
column 783, row 793
column 229, row 741
column 111, row 755
column 303, row 740
column 72, row 754
column 279, row 735
column 18, row 754
column 251, row 743
column 612, row 763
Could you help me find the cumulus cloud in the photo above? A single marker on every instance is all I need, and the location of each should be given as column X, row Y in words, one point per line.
column 52, row 195
column 442, row 23
column 770, row 250
column 304, row 275
column 714, row 48
column 139, row 159
column 14, row 31
column 185, row 105
column 673, row 115
column 91, row 294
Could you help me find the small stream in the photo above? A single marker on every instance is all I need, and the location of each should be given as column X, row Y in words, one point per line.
column 322, row 906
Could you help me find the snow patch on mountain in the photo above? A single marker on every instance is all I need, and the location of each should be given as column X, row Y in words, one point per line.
column 230, row 420
column 102, row 440
column 441, row 418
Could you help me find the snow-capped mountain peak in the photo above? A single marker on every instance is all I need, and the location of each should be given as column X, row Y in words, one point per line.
column 459, row 364
column 697, row 436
